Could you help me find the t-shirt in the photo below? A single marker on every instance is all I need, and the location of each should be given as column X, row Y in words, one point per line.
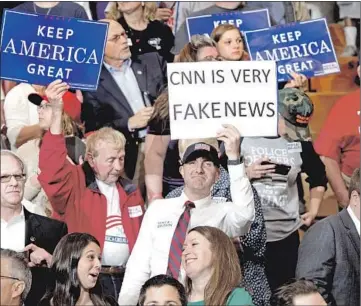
column 64, row 9
column 278, row 192
column 157, row 37
column 116, row 249
column 238, row 297
column 339, row 138
column 172, row 179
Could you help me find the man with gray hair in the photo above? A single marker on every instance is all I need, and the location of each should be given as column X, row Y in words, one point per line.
column 23, row 231
column 15, row 278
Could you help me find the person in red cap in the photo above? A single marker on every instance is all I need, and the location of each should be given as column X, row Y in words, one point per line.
column 29, row 151
column 21, row 117
column 93, row 197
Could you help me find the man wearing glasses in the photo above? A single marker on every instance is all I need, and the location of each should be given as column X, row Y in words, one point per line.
column 15, row 278
column 22, row 231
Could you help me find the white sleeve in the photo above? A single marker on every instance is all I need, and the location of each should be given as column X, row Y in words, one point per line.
column 138, row 271
column 16, row 110
column 239, row 218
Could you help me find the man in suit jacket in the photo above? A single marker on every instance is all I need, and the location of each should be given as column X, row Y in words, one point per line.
column 22, row 231
column 329, row 254
column 125, row 95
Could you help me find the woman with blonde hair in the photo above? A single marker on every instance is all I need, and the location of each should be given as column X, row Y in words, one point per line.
column 230, row 43
column 231, row 47
column 212, row 268
column 30, row 151
column 145, row 34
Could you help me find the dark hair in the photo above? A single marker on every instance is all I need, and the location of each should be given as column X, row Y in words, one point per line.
column 160, row 281
column 284, row 295
column 19, row 269
column 65, row 289
column 355, row 182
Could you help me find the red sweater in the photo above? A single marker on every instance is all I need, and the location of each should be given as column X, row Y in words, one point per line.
column 339, row 138
column 76, row 198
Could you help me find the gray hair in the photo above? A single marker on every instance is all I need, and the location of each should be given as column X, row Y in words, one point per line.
column 201, row 41
column 19, row 269
column 17, row 158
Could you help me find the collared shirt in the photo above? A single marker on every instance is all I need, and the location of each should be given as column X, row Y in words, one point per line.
column 128, row 84
column 355, row 220
column 13, row 233
column 150, row 254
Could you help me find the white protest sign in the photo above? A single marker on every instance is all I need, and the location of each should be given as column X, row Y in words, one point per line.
column 205, row 95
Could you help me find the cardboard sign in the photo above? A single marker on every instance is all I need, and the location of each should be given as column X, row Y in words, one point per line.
column 205, row 95
column 39, row 49
column 304, row 47
column 245, row 21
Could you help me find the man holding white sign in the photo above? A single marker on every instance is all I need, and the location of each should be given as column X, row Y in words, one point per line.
column 203, row 96
column 200, row 170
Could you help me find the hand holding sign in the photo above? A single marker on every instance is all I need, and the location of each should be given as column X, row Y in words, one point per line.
column 232, row 141
column 298, row 81
column 54, row 92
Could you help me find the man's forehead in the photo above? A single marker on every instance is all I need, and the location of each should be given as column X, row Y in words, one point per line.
column 115, row 29
column 9, row 163
column 108, row 148
column 4, row 265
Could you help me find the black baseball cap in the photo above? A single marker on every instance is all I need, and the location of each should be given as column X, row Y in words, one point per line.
column 201, row 149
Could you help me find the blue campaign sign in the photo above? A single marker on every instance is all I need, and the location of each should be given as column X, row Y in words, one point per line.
column 245, row 21
column 303, row 47
column 39, row 49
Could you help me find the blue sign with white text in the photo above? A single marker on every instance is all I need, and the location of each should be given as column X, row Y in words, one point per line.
column 39, row 49
column 244, row 21
column 303, row 47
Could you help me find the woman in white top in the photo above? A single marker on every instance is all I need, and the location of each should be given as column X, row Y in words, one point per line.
column 21, row 116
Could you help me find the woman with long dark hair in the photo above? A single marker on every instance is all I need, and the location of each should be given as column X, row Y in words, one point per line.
column 75, row 270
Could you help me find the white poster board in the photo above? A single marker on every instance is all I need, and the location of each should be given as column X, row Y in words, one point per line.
column 205, row 95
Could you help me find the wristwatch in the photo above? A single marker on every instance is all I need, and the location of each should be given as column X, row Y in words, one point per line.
column 235, row 162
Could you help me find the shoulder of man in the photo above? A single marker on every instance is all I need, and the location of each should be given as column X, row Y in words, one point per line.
column 48, row 222
column 128, row 186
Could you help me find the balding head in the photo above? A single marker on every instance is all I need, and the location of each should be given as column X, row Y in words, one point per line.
column 116, row 49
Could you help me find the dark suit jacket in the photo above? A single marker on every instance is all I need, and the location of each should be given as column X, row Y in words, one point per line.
column 44, row 233
column 329, row 255
column 108, row 106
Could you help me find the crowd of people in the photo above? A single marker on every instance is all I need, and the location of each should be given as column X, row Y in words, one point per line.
column 142, row 219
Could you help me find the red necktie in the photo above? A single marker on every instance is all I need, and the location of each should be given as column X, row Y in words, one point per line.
column 175, row 252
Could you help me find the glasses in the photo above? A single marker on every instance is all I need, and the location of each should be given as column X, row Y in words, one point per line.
column 7, row 178
column 9, row 277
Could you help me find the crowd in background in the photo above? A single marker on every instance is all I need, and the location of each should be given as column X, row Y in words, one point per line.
column 141, row 219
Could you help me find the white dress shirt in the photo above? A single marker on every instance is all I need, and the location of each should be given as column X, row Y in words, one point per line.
column 355, row 220
column 150, row 254
column 13, row 233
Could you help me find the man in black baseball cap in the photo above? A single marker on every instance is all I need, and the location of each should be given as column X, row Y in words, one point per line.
column 201, row 149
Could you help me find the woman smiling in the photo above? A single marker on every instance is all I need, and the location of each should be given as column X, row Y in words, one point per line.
column 212, row 268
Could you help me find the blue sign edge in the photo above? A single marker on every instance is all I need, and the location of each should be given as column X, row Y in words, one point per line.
column 225, row 13
column 93, row 88
column 301, row 22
